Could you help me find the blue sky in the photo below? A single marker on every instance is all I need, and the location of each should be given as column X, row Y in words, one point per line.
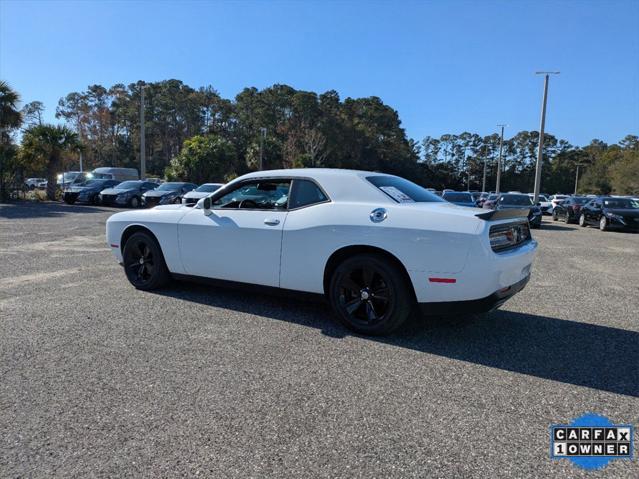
column 446, row 66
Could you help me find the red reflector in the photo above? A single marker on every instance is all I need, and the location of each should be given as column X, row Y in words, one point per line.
column 442, row 280
column 114, row 246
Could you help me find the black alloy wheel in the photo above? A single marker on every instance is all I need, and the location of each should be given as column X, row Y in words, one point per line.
column 143, row 262
column 370, row 294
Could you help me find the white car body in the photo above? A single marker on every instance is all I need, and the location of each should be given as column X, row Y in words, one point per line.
column 445, row 249
column 556, row 199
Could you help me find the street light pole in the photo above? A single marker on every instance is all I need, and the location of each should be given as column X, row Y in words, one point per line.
column 142, row 135
column 541, row 134
column 483, row 182
column 501, row 145
column 577, row 178
column 262, row 136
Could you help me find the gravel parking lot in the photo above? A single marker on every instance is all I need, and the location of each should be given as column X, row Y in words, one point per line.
column 98, row 379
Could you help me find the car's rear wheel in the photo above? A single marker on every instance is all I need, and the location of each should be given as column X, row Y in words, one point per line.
column 144, row 263
column 370, row 294
column 603, row 223
column 554, row 216
column 567, row 218
column 582, row 220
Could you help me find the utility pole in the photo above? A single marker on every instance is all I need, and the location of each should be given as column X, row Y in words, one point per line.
column 501, row 146
column 577, row 178
column 262, row 136
column 142, row 135
column 483, row 182
column 541, row 134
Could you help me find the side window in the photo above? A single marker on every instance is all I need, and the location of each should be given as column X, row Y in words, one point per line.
column 256, row 195
column 305, row 193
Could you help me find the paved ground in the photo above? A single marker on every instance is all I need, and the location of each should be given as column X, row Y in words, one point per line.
column 98, row 379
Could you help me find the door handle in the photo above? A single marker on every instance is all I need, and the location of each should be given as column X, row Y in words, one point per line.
column 271, row 221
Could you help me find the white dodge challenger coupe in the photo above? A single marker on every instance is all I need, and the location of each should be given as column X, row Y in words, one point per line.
column 375, row 245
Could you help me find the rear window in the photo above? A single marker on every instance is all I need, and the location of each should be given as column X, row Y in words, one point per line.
column 466, row 197
column 516, row 200
column 305, row 193
column 403, row 191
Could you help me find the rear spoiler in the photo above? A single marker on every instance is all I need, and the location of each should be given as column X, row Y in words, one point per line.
column 495, row 215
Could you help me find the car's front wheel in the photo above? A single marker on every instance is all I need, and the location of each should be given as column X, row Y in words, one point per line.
column 603, row 223
column 554, row 216
column 144, row 263
column 567, row 218
column 134, row 202
column 582, row 220
column 370, row 294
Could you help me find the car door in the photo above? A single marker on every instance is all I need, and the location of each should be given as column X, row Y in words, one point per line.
column 241, row 239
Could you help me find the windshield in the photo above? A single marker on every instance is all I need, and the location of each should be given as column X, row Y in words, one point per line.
column 579, row 200
column 170, row 187
column 516, row 200
column 94, row 182
column 403, row 191
column 208, row 188
column 621, row 203
column 127, row 185
column 461, row 197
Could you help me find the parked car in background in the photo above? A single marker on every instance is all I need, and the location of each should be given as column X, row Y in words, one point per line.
column 544, row 203
column 518, row 201
column 555, row 200
column 608, row 213
column 167, row 193
column 373, row 244
column 33, row 183
column 460, row 198
column 87, row 192
column 483, row 196
column 71, row 178
column 127, row 193
column 201, row 191
column 491, row 201
column 120, row 174
column 569, row 210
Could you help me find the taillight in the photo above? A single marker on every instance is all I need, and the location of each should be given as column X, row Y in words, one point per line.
column 509, row 235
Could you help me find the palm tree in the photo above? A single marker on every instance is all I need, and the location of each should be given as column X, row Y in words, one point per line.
column 10, row 119
column 46, row 144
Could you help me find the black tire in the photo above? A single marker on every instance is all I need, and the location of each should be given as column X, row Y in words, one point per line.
column 554, row 215
column 144, row 264
column 68, row 201
column 567, row 217
column 370, row 295
column 134, row 202
column 94, row 199
column 603, row 223
column 582, row 221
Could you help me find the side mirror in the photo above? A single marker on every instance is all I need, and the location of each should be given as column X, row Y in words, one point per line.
column 206, row 205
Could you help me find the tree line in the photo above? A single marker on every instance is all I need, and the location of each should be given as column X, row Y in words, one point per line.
column 196, row 135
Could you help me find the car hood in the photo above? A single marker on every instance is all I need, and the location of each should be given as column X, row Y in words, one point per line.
column 117, row 191
column 513, row 207
column 623, row 212
column 159, row 194
column 198, row 194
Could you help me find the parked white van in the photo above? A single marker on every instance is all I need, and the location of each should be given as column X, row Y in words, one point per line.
column 120, row 174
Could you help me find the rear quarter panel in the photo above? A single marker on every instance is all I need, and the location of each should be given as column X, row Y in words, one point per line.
column 426, row 240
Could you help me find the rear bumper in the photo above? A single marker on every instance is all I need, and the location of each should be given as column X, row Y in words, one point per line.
column 482, row 305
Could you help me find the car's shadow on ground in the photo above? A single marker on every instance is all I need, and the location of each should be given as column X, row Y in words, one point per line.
column 556, row 227
column 32, row 209
column 571, row 352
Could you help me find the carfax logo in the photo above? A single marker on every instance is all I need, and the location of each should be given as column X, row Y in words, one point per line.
column 591, row 441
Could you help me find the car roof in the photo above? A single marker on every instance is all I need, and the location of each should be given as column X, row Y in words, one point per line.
column 340, row 185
